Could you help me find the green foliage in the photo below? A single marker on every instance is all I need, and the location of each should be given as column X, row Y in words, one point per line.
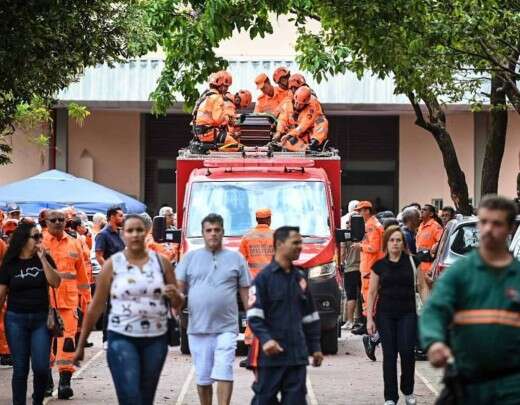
column 53, row 41
column 78, row 112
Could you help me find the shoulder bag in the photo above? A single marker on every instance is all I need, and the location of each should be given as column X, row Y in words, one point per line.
column 173, row 332
column 418, row 299
column 54, row 320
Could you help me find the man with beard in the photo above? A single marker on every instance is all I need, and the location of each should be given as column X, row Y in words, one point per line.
column 473, row 315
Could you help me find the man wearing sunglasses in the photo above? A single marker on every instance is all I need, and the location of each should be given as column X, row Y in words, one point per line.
column 67, row 254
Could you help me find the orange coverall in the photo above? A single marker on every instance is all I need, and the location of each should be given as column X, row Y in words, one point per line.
column 371, row 252
column 257, row 248
column 67, row 253
column 4, row 348
column 310, row 123
column 428, row 236
column 169, row 250
column 210, row 117
column 271, row 105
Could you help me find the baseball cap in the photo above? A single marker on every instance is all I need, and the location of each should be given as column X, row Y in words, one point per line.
column 363, row 204
column 263, row 213
column 260, row 80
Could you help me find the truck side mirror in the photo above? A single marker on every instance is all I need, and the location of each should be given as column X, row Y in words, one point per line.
column 356, row 233
column 161, row 234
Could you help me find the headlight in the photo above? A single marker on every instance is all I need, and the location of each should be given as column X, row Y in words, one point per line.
column 324, row 270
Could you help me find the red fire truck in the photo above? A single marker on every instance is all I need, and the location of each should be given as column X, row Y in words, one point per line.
column 300, row 189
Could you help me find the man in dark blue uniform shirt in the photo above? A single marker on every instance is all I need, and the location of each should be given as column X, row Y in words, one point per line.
column 283, row 317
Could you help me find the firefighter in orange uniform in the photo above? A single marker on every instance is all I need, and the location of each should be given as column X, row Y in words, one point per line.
column 209, row 121
column 257, row 248
column 68, row 255
column 257, row 245
column 307, row 127
column 270, row 100
column 371, row 248
column 428, row 235
column 281, row 78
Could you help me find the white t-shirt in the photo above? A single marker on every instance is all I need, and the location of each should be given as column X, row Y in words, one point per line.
column 138, row 306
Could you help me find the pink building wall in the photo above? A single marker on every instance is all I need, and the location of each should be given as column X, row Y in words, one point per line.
column 421, row 172
column 28, row 159
column 106, row 149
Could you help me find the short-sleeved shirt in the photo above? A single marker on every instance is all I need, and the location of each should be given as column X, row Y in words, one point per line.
column 212, row 281
column 396, row 285
column 109, row 242
column 27, row 284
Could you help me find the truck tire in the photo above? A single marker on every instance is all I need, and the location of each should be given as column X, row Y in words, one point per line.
column 185, row 347
column 329, row 341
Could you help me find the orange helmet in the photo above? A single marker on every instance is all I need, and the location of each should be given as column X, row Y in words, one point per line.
column 296, row 80
column 260, row 80
column 280, row 72
column 303, row 95
column 220, row 78
column 10, row 226
column 245, row 98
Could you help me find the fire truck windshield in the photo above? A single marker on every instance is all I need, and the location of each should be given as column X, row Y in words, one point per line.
column 301, row 203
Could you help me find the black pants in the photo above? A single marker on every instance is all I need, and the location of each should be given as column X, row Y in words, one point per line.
column 290, row 381
column 398, row 335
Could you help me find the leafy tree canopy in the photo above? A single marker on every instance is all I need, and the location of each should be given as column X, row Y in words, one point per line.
column 46, row 44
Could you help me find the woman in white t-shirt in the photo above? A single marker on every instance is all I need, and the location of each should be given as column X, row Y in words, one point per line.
column 138, row 281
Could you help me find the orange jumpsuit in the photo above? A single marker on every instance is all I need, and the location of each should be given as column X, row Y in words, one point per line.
column 271, row 105
column 371, row 252
column 257, row 248
column 428, row 236
column 210, row 118
column 169, row 250
column 230, row 111
column 67, row 253
column 4, row 348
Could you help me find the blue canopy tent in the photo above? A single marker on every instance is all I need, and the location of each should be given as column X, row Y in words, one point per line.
column 56, row 189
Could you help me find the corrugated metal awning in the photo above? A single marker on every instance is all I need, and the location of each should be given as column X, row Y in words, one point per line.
column 135, row 80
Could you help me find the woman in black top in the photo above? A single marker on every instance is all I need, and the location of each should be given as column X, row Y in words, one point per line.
column 25, row 276
column 392, row 288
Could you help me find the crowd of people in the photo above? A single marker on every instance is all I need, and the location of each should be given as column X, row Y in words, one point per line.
column 391, row 298
column 301, row 122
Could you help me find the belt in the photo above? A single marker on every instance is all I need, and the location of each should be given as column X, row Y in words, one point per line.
column 67, row 276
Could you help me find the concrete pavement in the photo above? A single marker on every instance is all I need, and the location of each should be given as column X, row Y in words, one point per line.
column 344, row 379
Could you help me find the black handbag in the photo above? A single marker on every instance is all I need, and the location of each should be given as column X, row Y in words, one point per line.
column 453, row 391
column 54, row 320
column 173, row 333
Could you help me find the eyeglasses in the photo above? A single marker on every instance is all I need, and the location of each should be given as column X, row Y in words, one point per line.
column 54, row 220
column 37, row 236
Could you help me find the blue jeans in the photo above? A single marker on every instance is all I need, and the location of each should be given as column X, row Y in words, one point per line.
column 136, row 364
column 28, row 338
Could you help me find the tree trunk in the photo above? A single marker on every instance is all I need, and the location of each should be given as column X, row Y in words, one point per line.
column 436, row 125
column 496, row 139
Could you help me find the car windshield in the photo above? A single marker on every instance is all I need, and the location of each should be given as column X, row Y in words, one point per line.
column 465, row 238
column 297, row 203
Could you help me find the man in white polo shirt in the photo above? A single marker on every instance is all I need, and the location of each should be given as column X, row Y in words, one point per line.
column 211, row 277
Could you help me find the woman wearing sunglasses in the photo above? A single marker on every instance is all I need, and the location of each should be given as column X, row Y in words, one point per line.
column 25, row 276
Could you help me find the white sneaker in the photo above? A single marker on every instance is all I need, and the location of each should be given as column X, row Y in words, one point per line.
column 389, row 403
column 410, row 399
column 348, row 325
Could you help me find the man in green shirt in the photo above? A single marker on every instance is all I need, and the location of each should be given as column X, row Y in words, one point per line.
column 473, row 314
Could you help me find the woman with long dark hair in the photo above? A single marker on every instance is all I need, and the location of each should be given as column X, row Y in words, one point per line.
column 393, row 283
column 139, row 282
column 25, row 276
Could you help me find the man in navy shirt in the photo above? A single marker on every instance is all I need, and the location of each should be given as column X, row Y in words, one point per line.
column 108, row 242
column 283, row 317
